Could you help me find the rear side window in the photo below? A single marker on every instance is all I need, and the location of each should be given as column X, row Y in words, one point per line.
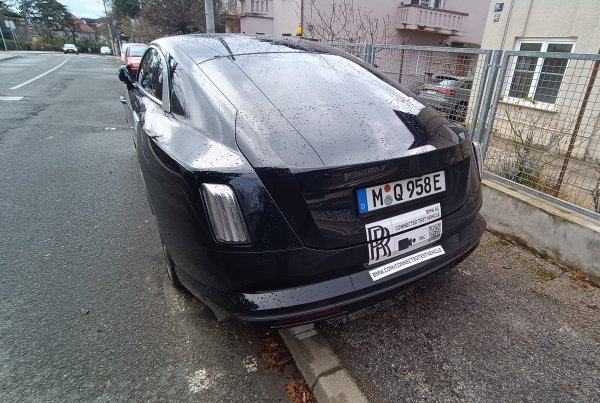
column 150, row 76
column 177, row 93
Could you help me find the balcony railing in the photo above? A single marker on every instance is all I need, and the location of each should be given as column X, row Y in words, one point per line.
column 422, row 18
column 257, row 7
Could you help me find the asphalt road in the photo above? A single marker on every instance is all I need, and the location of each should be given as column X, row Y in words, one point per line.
column 505, row 325
column 86, row 312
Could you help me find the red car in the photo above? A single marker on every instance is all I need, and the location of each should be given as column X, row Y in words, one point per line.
column 133, row 56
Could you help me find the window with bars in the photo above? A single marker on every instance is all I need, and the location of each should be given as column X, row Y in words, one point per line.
column 539, row 78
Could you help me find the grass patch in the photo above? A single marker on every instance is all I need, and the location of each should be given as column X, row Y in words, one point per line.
column 544, row 274
column 503, row 242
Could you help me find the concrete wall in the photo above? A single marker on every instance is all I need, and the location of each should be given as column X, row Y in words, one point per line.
column 569, row 238
column 475, row 23
column 576, row 19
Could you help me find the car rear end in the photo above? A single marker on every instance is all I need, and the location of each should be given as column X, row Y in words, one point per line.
column 377, row 190
column 444, row 93
column 369, row 230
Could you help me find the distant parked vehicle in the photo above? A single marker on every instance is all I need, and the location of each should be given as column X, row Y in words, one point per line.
column 133, row 56
column 70, row 48
column 105, row 50
column 449, row 95
column 124, row 49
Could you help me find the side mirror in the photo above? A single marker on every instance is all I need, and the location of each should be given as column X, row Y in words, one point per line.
column 125, row 75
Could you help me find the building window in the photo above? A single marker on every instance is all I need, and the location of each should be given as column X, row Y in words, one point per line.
column 538, row 79
column 432, row 3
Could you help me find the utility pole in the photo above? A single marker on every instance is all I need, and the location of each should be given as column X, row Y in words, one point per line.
column 3, row 41
column 25, row 6
column 108, row 24
column 210, row 16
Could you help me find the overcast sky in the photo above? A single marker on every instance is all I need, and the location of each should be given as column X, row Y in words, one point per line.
column 85, row 8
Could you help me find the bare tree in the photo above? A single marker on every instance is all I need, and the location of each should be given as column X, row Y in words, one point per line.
column 342, row 20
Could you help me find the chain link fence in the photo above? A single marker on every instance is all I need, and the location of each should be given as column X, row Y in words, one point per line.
column 539, row 121
column 544, row 130
column 448, row 79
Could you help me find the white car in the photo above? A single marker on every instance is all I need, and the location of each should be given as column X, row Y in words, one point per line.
column 105, row 50
column 70, row 48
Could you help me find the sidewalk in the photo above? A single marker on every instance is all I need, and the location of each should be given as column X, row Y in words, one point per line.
column 505, row 325
column 10, row 54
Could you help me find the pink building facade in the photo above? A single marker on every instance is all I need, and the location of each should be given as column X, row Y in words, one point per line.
column 458, row 23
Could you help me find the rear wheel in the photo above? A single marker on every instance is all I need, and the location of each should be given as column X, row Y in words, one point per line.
column 170, row 269
column 460, row 112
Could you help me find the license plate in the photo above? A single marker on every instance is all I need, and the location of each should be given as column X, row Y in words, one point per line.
column 390, row 194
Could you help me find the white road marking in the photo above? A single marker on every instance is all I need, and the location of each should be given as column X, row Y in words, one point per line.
column 11, row 98
column 202, row 380
column 250, row 363
column 40, row 76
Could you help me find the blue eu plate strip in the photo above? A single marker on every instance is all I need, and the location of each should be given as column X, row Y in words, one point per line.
column 363, row 205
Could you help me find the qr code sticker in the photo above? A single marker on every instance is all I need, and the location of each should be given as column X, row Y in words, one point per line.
column 435, row 231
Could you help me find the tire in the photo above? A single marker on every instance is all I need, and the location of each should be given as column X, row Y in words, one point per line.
column 460, row 112
column 170, row 268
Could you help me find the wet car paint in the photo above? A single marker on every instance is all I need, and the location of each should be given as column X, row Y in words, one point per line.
column 288, row 173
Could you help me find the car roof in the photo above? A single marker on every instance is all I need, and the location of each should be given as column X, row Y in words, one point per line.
column 203, row 47
column 453, row 77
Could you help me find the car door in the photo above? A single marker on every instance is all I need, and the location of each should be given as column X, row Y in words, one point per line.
column 157, row 129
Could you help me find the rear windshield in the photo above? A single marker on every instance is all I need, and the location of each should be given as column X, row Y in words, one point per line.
column 137, row 51
column 444, row 81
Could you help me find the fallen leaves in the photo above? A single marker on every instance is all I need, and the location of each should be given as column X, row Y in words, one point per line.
column 580, row 280
column 275, row 354
column 299, row 392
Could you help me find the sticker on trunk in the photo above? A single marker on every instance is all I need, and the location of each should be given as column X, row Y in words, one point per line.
column 394, row 193
column 406, row 221
column 383, row 246
column 405, row 262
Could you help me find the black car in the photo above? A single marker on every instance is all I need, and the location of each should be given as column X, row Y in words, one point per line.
column 292, row 182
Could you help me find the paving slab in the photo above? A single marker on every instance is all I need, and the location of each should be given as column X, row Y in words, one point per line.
column 504, row 325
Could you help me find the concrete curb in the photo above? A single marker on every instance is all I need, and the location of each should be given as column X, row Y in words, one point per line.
column 8, row 58
column 329, row 381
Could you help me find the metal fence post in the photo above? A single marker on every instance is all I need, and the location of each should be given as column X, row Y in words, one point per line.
column 480, row 91
column 488, row 125
column 487, row 98
column 369, row 53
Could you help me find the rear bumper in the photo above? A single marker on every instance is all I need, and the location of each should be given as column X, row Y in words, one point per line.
column 338, row 296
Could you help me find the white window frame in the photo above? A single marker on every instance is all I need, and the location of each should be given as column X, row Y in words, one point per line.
column 536, row 74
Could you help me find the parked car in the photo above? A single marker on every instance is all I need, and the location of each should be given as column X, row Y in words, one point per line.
column 105, row 50
column 291, row 182
column 124, row 47
column 133, row 55
column 449, row 95
column 70, row 48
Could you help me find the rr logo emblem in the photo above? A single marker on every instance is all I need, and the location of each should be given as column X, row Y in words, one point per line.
column 379, row 239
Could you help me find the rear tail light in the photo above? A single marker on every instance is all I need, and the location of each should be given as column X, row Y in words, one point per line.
column 224, row 214
column 478, row 157
column 446, row 91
